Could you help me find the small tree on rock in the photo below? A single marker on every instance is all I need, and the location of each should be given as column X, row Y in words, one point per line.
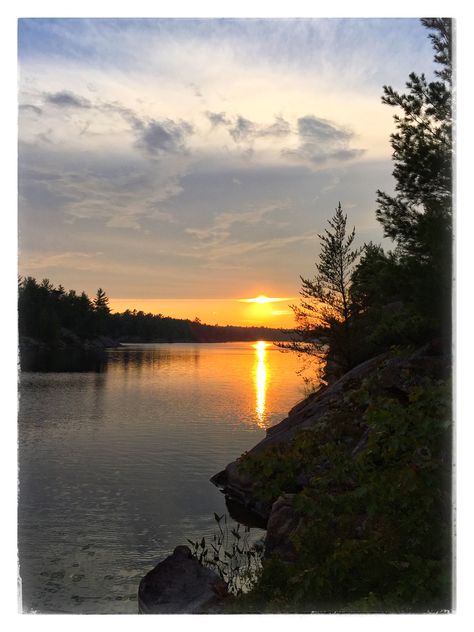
column 323, row 316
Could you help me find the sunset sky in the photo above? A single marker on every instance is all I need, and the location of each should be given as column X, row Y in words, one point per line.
column 183, row 165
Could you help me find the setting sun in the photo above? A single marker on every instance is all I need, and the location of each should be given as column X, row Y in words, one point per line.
column 262, row 299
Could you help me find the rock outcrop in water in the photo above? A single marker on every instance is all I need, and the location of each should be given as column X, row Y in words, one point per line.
column 181, row 585
column 395, row 377
column 239, row 487
column 312, row 481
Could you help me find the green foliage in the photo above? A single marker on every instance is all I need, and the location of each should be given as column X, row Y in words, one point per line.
column 331, row 287
column 422, row 151
column 418, row 217
column 231, row 555
column 323, row 314
column 375, row 279
column 404, row 297
column 384, row 313
column 375, row 533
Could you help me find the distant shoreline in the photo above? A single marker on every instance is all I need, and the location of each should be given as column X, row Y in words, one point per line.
column 90, row 355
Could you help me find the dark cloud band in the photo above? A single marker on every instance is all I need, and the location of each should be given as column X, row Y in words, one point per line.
column 67, row 99
column 321, row 140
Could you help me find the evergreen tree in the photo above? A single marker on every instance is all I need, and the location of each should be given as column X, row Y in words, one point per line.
column 418, row 217
column 101, row 301
column 325, row 307
column 422, row 151
column 375, row 279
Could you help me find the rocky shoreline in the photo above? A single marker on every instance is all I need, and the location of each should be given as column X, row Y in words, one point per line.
column 239, row 486
column 394, row 376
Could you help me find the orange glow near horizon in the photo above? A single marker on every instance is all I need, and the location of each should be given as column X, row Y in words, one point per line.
column 258, row 312
column 262, row 299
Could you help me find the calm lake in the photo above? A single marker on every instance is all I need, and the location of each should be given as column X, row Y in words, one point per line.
column 115, row 464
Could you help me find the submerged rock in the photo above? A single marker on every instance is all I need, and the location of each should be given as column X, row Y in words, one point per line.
column 181, row 585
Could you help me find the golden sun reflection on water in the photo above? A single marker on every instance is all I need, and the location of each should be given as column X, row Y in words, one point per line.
column 261, row 382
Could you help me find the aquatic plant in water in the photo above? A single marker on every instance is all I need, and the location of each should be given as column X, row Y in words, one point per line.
column 232, row 555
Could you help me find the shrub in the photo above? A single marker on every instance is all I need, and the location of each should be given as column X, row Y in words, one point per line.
column 376, row 528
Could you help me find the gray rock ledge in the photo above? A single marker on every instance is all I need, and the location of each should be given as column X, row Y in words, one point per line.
column 181, row 585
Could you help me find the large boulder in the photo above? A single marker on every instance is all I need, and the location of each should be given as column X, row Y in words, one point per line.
column 181, row 585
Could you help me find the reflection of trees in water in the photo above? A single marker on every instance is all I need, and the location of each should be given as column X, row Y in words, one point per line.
column 140, row 359
column 63, row 360
column 99, row 361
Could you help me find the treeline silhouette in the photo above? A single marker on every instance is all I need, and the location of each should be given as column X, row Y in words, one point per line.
column 53, row 315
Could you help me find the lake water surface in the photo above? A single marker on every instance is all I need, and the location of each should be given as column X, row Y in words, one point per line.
column 115, row 465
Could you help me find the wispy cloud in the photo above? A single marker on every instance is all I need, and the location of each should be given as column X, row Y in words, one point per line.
column 220, row 229
column 74, row 260
column 220, row 241
column 240, row 248
column 117, row 193
column 221, row 246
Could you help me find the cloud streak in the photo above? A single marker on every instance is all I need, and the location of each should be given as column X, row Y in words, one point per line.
column 221, row 228
column 219, row 242
column 238, row 249
column 74, row 260
column 119, row 192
